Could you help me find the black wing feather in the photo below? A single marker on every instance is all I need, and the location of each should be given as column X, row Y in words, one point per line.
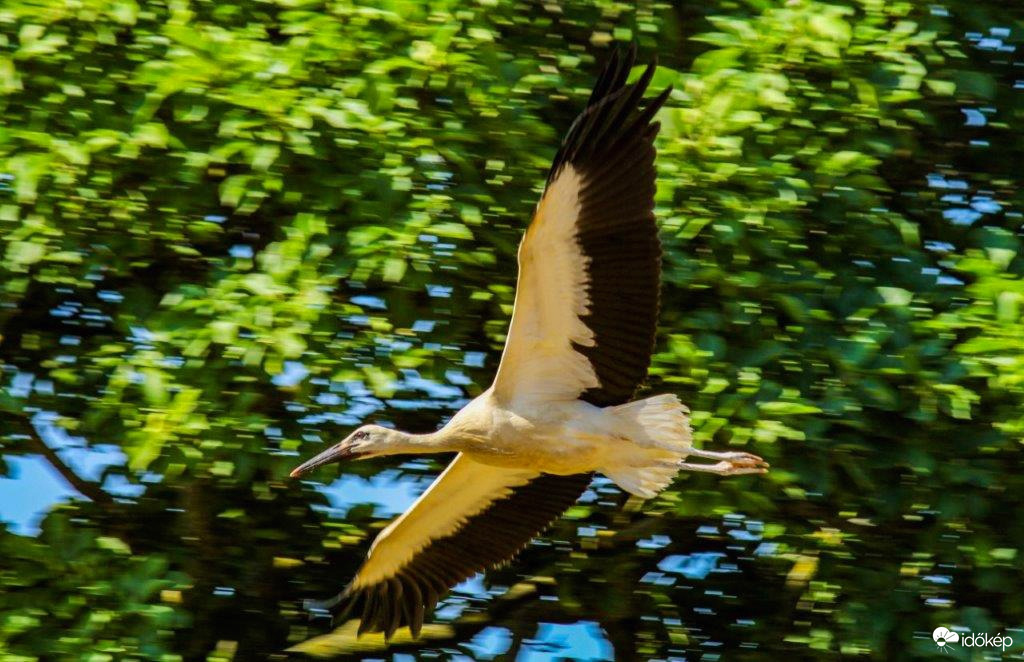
column 611, row 145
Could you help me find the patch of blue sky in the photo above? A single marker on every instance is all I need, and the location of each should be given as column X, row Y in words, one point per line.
column 656, row 541
column 583, row 640
column 473, row 586
column 985, row 204
column 30, row 490
column 938, row 181
column 973, row 117
column 457, row 377
column 369, row 301
column 423, row 326
column 439, row 291
column 961, row 215
column 292, row 374
column 939, row 246
column 328, row 399
column 692, row 566
column 241, row 251
column 110, row 296
column 474, row 359
column 490, row 642
column 412, row 380
column 390, row 491
column 33, row 486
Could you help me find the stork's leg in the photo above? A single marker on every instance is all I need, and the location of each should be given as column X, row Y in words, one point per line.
column 730, row 463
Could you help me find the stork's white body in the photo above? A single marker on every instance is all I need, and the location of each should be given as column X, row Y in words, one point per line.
column 562, row 438
column 643, row 439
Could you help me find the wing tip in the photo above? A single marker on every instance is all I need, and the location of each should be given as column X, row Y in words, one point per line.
column 615, row 112
column 404, row 599
column 384, row 607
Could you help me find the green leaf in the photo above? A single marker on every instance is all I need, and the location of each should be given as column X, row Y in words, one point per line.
column 779, row 408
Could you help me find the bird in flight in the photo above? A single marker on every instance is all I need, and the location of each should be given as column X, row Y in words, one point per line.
column 560, row 408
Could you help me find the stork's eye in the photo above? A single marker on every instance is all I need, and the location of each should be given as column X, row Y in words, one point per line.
column 360, row 434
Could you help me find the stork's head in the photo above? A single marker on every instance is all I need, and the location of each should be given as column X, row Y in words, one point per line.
column 367, row 441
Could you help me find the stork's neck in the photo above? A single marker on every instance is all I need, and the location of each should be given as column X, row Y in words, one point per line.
column 442, row 441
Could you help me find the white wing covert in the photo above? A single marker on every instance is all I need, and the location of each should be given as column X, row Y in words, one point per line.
column 586, row 303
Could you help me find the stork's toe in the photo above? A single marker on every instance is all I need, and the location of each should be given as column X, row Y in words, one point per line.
column 748, row 461
column 731, row 463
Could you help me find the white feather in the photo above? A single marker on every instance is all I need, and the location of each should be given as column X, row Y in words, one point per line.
column 539, row 363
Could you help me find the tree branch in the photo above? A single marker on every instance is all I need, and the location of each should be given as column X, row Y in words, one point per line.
column 88, row 489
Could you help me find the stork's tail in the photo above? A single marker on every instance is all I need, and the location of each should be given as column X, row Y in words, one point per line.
column 659, row 429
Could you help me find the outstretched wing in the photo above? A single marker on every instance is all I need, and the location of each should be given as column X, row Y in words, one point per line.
column 590, row 263
column 472, row 517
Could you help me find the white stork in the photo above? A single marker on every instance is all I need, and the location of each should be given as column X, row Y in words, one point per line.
column 579, row 344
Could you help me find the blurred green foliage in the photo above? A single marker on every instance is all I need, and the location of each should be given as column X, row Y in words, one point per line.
column 231, row 230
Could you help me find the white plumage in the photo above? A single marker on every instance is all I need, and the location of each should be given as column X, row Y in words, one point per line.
column 579, row 344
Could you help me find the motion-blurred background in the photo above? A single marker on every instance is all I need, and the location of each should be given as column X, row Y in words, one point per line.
column 230, row 231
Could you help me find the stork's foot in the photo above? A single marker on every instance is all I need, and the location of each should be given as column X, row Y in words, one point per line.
column 730, row 464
